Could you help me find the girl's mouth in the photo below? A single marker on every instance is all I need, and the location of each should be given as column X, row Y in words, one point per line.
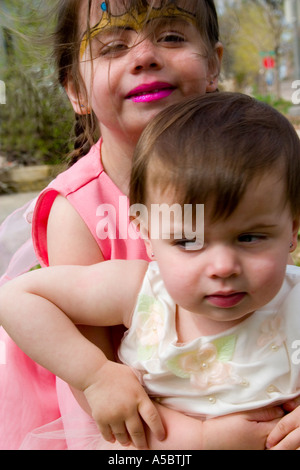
column 150, row 92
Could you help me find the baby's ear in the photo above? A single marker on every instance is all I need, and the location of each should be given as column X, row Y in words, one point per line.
column 76, row 99
column 140, row 222
column 140, row 226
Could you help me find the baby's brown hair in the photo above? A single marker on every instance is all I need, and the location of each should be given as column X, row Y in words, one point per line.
column 211, row 147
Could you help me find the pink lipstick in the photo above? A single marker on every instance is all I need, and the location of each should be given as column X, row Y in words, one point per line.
column 225, row 300
column 150, row 92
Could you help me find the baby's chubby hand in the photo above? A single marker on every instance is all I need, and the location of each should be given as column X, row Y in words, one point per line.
column 121, row 407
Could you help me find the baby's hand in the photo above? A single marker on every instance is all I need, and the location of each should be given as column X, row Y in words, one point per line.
column 119, row 406
column 286, row 434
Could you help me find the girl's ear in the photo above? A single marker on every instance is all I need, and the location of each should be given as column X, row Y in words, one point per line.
column 214, row 70
column 75, row 98
column 294, row 240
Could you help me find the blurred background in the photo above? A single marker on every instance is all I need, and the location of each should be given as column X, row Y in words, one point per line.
column 261, row 39
column 262, row 58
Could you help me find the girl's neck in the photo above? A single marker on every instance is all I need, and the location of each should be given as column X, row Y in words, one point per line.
column 117, row 161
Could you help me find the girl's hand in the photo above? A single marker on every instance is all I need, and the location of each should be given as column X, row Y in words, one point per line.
column 286, row 435
column 119, row 405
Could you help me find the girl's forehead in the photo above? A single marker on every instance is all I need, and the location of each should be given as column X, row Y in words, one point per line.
column 133, row 15
column 120, row 7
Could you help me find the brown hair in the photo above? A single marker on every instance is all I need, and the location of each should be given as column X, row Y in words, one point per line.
column 67, row 40
column 212, row 147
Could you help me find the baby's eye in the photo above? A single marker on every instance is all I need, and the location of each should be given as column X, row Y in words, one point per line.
column 251, row 238
column 189, row 245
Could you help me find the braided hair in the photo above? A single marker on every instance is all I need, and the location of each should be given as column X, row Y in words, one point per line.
column 67, row 44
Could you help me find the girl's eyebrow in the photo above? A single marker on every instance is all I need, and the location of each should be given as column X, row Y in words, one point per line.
column 111, row 30
column 172, row 14
column 97, row 33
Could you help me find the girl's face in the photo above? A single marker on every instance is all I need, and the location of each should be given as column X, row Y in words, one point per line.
column 242, row 264
column 136, row 72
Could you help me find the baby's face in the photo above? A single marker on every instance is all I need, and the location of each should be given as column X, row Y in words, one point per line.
column 241, row 265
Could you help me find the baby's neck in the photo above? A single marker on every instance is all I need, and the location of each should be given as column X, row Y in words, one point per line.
column 190, row 326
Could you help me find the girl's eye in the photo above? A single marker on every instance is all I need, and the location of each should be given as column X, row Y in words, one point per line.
column 251, row 238
column 171, row 38
column 190, row 245
column 113, row 48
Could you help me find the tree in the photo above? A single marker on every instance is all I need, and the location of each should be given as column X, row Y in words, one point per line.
column 37, row 118
column 273, row 11
column 251, row 29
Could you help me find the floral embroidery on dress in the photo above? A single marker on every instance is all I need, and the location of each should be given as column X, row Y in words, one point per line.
column 150, row 326
column 207, row 365
column 271, row 330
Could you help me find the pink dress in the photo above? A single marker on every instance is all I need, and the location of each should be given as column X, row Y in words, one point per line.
column 30, row 396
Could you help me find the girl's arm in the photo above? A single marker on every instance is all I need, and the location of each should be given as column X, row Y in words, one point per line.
column 69, row 241
column 39, row 311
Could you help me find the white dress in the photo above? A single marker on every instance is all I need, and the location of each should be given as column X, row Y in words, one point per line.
column 252, row 365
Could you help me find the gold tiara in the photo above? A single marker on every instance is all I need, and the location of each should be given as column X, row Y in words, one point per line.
column 134, row 19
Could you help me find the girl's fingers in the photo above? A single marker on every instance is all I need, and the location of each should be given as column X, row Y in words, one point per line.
column 290, row 442
column 286, row 433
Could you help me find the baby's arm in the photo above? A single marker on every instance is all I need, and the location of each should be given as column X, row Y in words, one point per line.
column 32, row 311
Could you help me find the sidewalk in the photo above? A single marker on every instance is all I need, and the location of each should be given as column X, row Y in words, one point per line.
column 10, row 202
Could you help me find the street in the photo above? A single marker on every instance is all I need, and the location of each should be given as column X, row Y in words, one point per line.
column 10, row 202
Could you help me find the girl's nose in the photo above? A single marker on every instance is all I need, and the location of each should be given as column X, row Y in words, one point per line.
column 223, row 263
column 145, row 56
